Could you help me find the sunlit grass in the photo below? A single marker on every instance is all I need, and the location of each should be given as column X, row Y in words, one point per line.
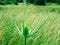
column 35, row 15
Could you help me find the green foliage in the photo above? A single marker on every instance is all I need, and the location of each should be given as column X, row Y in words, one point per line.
column 39, row 2
column 29, row 1
column 53, row 1
column 36, row 2
column 46, row 36
column 42, row 2
column 58, row 1
column 4, row 2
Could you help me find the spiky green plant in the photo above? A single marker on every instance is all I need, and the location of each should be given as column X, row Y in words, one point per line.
column 26, row 31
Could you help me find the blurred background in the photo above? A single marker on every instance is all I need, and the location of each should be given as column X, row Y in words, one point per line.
column 36, row 11
column 36, row 2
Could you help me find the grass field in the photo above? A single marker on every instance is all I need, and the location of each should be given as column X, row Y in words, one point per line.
column 35, row 16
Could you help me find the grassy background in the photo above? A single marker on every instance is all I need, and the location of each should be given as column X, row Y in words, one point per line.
column 35, row 16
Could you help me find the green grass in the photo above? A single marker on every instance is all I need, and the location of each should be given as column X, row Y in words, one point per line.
column 35, row 16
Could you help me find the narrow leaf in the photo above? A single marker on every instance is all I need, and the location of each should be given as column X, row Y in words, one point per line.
column 40, row 27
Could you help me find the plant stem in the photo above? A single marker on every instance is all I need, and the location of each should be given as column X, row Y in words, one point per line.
column 24, row 20
column 25, row 41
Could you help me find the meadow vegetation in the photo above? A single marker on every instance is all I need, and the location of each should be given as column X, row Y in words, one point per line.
column 35, row 16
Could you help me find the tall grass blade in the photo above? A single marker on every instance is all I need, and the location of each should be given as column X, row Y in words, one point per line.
column 17, row 29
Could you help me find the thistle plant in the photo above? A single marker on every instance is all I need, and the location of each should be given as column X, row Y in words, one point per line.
column 26, row 32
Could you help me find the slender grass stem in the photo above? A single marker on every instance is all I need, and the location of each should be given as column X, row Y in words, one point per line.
column 25, row 41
